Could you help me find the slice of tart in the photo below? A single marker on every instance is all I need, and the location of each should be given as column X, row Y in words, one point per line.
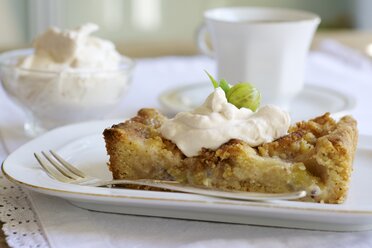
column 314, row 155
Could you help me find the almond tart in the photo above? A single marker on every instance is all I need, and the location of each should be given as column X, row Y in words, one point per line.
column 315, row 156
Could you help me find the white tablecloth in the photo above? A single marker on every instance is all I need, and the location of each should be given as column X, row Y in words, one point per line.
column 54, row 222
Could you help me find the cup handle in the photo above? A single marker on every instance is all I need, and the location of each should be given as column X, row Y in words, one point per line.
column 202, row 45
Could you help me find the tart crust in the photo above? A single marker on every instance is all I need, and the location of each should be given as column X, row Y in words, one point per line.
column 315, row 156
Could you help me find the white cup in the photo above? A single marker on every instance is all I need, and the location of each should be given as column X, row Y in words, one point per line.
column 264, row 46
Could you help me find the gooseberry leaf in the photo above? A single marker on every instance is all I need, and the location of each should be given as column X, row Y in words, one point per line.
column 225, row 86
column 214, row 81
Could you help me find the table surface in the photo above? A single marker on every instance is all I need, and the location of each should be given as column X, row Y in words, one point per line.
column 355, row 39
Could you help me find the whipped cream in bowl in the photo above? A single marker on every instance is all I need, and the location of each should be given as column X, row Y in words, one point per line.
column 69, row 76
column 217, row 121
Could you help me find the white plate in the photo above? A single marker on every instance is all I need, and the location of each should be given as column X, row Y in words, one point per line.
column 311, row 102
column 82, row 144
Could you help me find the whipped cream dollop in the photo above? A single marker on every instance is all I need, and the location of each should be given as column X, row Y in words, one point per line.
column 218, row 121
column 59, row 50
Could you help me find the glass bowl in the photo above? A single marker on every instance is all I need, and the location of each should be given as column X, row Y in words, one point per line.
column 51, row 98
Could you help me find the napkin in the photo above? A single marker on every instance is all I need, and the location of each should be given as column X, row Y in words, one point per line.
column 65, row 225
column 355, row 60
column 334, row 62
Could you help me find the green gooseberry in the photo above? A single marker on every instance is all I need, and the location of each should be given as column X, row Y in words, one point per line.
column 244, row 95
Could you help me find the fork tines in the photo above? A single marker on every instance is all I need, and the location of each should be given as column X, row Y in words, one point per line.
column 58, row 168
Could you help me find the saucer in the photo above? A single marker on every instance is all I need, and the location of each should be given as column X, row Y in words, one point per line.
column 310, row 102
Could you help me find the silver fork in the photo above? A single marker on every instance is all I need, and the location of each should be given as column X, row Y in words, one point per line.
column 61, row 170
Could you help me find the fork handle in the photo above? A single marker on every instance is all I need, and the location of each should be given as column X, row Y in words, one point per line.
column 202, row 190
